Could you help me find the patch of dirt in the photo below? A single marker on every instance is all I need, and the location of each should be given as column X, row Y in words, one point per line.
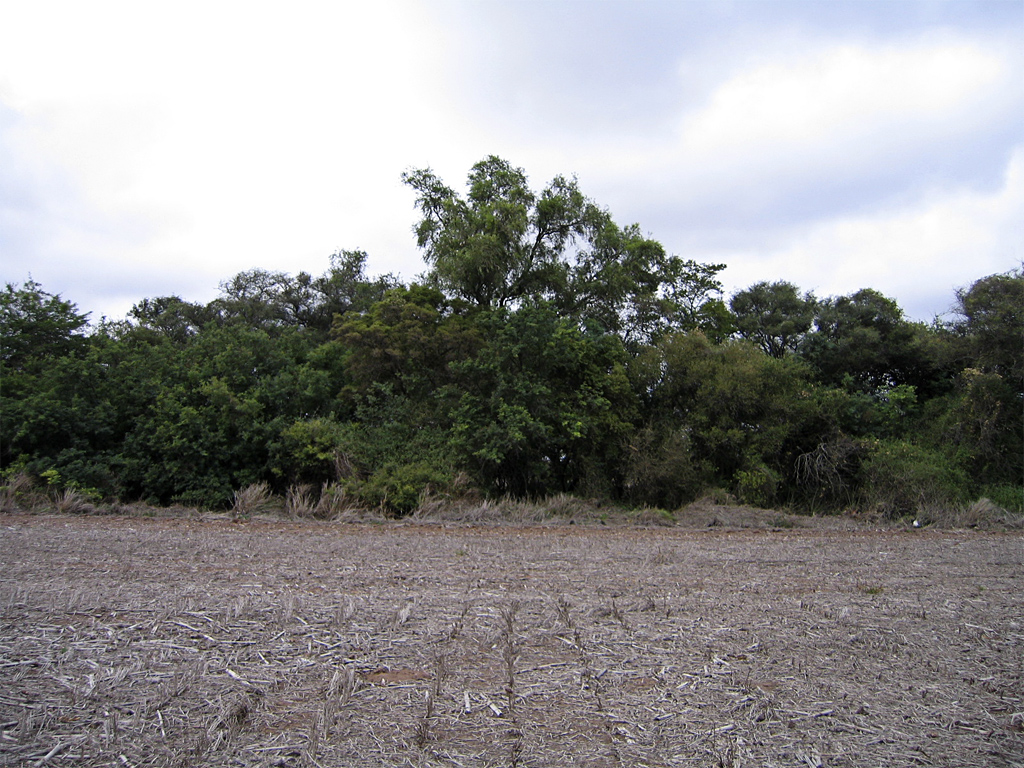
column 182, row 642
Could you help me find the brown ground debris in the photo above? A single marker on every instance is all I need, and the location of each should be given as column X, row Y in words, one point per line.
column 154, row 642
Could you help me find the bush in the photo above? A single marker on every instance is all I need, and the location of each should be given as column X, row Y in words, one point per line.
column 397, row 488
column 898, row 478
column 660, row 469
column 310, row 451
column 757, row 487
column 983, row 428
column 826, row 476
column 1008, row 497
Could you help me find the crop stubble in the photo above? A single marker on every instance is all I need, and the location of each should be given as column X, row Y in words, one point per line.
column 130, row 641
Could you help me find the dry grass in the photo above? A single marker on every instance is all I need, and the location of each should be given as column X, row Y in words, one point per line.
column 983, row 513
column 71, row 502
column 252, row 500
column 20, row 494
column 131, row 641
column 299, row 501
column 14, row 491
column 334, row 504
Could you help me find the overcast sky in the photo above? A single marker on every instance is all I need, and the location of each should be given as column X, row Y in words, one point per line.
column 150, row 149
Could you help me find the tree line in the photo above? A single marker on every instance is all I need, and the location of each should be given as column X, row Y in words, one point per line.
column 546, row 350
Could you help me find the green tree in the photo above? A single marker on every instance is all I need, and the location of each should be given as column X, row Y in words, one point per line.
column 36, row 326
column 543, row 406
column 198, row 444
column 989, row 323
column 62, row 417
column 408, row 340
column 347, row 288
column 981, row 426
column 216, row 421
column 724, row 415
column 502, row 242
column 628, row 285
column 862, row 341
column 170, row 317
column 254, row 298
column 272, row 301
column 55, row 408
column 503, row 245
column 773, row 315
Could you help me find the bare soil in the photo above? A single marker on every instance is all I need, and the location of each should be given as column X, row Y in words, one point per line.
column 137, row 642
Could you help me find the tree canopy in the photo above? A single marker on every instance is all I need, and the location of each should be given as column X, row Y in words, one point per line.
column 547, row 350
column 502, row 245
column 774, row 316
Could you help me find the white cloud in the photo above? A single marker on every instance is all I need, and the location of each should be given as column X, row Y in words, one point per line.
column 834, row 123
column 162, row 148
column 841, row 95
column 841, row 167
column 914, row 253
column 213, row 137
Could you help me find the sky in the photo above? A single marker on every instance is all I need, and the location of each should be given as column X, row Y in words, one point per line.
column 156, row 149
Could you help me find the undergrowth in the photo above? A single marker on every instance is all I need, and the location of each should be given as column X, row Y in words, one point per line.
column 1002, row 507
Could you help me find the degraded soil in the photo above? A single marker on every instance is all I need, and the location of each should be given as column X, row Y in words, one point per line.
column 136, row 642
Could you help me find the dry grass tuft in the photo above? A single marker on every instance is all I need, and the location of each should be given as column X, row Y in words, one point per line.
column 299, row 502
column 14, row 492
column 983, row 513
column 71, row 502
column 335, row 504
column 252, row 500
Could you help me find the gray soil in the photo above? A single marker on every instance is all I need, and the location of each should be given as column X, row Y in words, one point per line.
column 183, row 642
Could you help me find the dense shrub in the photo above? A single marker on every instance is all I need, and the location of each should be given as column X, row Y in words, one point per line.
column 396, row 488
column 585, row 374
column 899, row 478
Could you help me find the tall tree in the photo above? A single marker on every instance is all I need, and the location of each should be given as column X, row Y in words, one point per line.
column 864, row 341
column 990, row 316
column 503, row 244
column 773, row 315
column 37, row 326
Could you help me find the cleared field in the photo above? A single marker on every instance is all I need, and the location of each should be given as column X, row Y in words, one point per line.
column 131, row 641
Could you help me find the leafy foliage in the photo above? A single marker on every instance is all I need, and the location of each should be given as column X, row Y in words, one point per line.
column 899, row 478
column 538, row 402
column 743, row 413
column 503, row 245
column 990, row 317
column 774, row 316
column 548, row 351
column 863, row 340
column 36, row 326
